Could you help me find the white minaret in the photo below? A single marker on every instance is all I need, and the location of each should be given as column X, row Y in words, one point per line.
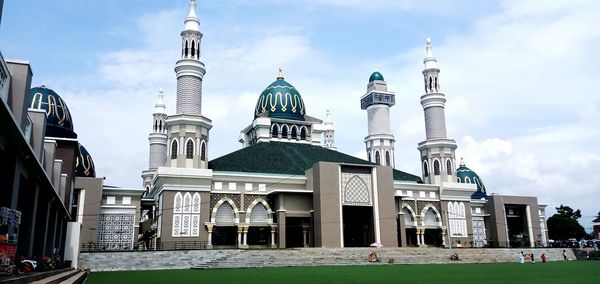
column 377, row 101
column 438, row 161
column 189, row 69
column 157, row 139
column 187, row 130
column 329, row 132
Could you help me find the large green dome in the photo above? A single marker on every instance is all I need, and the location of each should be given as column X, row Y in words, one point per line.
column 376, row 76
column 280, row 100
column 466, row 175
column 58, row 123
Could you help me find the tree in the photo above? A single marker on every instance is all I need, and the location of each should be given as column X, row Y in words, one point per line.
column 564, row 225
column 597, row 218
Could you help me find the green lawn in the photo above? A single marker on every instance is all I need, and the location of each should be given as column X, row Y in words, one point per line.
column 507, row 273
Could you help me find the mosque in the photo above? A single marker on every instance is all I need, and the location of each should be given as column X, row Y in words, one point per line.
column 286, row 187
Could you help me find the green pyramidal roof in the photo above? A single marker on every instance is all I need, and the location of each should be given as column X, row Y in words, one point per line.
column 288, row 159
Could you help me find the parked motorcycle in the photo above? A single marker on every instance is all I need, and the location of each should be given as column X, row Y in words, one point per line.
column 25, row 265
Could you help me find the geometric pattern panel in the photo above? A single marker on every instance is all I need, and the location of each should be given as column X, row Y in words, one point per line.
column 356, row 189
column 116, row 231
column 421, row 204
column 479, row 236
column 216, row 197
column 225, row 213
column 457, row 223
column 259, row 214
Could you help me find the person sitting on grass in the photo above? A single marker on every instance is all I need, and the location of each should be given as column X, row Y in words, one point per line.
column 373, row 257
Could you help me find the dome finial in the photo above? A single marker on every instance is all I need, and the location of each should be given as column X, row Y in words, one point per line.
column 191, row 21
column 280, row 74
column 462, row 162
column 376, row 68
column 430, row 61
column 159, row 107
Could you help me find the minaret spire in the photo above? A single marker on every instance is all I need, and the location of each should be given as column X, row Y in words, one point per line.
column 437, row 151
column 191, row 21
column 329, row 141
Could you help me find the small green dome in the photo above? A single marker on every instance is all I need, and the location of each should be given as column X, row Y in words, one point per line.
column 376, row 76
column 466, row 175
column 84, row 165
column 280, row 100
column 58, row 123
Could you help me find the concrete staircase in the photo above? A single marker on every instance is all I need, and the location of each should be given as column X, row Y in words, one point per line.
column 64, row 276
column 236, row 258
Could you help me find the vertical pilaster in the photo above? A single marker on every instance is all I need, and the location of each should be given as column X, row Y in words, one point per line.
column 281, row 227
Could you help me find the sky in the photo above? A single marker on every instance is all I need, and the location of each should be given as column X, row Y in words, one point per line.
column 520, row 78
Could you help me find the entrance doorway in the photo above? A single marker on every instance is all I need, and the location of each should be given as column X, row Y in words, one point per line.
column 358, row 226
column 411, row 237
column 224, row 236
column 433, row 237
column 259, row 236
column 294, row 231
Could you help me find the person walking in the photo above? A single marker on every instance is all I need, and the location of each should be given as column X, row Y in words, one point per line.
column 543, row 257
column 565, row 255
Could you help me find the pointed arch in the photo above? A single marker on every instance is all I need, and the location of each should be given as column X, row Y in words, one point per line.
column 462, row 212
column 259, row 211
column 369, row 156
column 425, row 168
column 195, row 226
column 451, row 212
column 196, row 203
column 467, row 180
column 356, row 192
column 185, row 52
column 275, row 130
column 436, row 167
column 448, row 167
column 377, row 157
column 430, row 84
column 189, row 148
column 174, row 148
column 409, row 215
column 437, row 87
column 193, row 48
column 177, row 218
column 155, row 125
column 294, row 131
column 431, row 216
column 303, row 132
column 178, row 203
column 198, row 49
column 284, row 131
column 229, row 214
column 203, row 150
column 160, row 125
column 388, row 161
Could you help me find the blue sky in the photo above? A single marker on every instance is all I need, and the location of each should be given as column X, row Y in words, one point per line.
column 520, row 77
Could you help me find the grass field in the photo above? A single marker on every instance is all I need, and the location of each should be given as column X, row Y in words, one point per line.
column 507, row 273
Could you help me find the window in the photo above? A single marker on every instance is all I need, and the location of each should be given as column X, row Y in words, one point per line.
column 377, row 158
column 225, row 213
column 408, row 218
column 436, row 167
column 189, row 149
column 425, row 169
column 448, row 167
column 303, row 133
column 457, row 219
column 193, row 48
column 126, row 200
column 186, row 215
column 430, row 218
column 274, row 131
column 110, row 200
column 259, row 214
column 369, row 156
column 294, row 133
column 387, row 158
column 174, row 149
column 203, row 151
column 284, row 132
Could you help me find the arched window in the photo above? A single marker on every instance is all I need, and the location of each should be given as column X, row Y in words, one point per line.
column 448, row 167
column 458, row 180
column 274, row 130
column 193, row 48
column 436, row 167
column 259, row 214
column 186, row 49
column 437, row 87
column 425, row 169
column 174, row 149
column 284, row 132
column 303, row 133
column 430, row 84
column 377, row 158
column 369, row 156
column 294, row 132
column 225, row 213
column 160, row 126
column 451, row 213
column 203, row 151
column 467, row 180
column 189, row 149
column 155, row 125
column 408, row 217
column 430, row 218
column 387, row 158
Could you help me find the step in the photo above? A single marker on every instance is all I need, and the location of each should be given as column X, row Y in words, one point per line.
column 31, row 276
column 57, row 278
column 78, row 278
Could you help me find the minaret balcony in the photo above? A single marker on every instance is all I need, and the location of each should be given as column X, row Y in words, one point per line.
column 377, row 98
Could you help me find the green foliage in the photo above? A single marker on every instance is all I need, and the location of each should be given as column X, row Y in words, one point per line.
column 580, row 272
column 564, row 225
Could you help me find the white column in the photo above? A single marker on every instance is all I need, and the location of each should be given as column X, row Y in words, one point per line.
column 418, row 237
column 273, row 236
column 239, row 237
column 529, row 226
column 245, row 236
